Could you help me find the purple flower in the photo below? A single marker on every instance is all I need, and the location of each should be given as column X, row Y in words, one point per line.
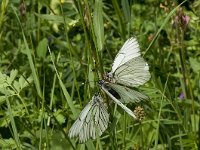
column 185, row 19
column 181, row 20
column 181, row 96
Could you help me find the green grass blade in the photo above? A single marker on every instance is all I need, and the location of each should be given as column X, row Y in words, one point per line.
column 30, row 59
column 65, row 92
column 14, row 128
column 98, row 23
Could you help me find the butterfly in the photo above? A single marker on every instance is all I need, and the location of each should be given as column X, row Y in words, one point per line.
column 128, row 70
column 92, row 121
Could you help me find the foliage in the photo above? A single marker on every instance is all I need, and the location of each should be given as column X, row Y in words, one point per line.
column 53, row 52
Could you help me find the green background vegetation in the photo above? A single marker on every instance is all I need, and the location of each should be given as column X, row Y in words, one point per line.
column 52, row 53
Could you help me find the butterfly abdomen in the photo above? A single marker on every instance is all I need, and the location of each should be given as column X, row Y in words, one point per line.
column 103, row 84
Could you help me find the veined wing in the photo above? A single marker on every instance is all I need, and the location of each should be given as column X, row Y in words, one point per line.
column 129, row 50
column 113, row 94
column 122, row 93
column 128, row 95
column 92, row 121
column 133, row 73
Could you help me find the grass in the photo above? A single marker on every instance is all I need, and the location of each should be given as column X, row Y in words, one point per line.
column 53, row 53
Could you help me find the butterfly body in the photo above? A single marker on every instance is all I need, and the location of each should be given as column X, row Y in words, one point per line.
column 106, row 85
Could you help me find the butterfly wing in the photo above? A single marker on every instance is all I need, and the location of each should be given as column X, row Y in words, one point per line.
column 133, row 73
column 113, row 94
column 92, row 121
column 128, row 95
column 129, row 50
column 129, row 68
column 123, row 93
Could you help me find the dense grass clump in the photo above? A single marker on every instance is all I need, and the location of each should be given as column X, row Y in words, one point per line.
column 54, row 52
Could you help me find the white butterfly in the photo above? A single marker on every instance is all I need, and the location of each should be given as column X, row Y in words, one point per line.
column 129, row 69
column 92, row 121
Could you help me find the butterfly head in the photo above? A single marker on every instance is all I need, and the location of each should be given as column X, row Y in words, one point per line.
column 109, row 77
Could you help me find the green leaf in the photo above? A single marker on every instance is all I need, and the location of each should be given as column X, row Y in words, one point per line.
column 2, row 99
column 59, row 116
column 8, row 143
column 2, row 78
column 16, row 86
column 24, row 83
column 91, row 76
column 54, row 18
column 98, row 23
column 126, row 9
column 12, row 77
column 195, row 122
column 42, row 48
column 6, row 91
column 167, row 121
column 195, row 65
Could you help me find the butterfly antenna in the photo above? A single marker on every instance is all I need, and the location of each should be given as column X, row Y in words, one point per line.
column 87, row 82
